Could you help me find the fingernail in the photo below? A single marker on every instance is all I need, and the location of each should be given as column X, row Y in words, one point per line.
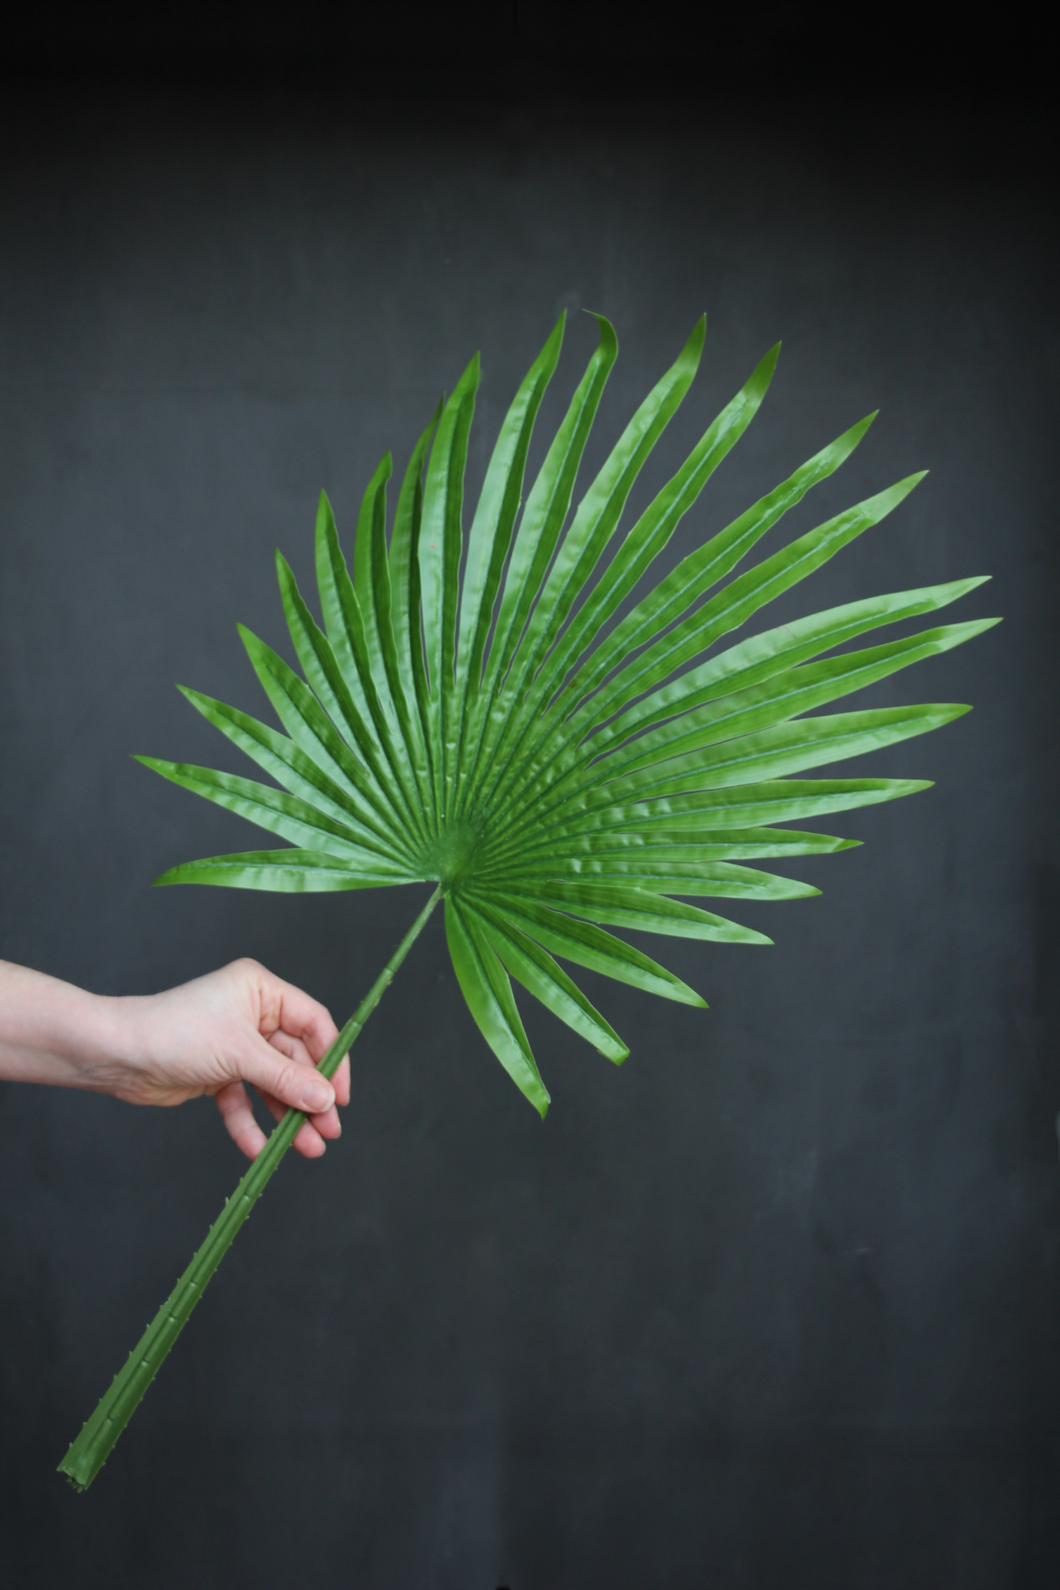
column 317, row 1096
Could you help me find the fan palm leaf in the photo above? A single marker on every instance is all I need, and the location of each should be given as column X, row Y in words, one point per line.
column 472, row 715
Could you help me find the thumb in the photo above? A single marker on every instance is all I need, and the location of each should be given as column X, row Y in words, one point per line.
column 300, row 1087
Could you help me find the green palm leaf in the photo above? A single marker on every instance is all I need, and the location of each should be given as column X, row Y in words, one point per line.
column 470, row 716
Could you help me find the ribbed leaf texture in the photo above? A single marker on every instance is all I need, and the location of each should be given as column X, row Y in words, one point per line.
column 471, row 715
column 479, row 716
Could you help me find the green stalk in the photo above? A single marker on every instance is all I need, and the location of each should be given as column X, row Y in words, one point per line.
column 91, row 1449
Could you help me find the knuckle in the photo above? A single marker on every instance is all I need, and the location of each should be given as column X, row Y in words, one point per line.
column 287, row 1082
column 246, row 966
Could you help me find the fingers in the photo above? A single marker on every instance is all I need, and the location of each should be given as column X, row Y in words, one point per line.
column 296, row 1032
column 290, row 1010
column 326, row 1121
column 245, row 1132
column 239, row 1120
column 308, row 1139
column 299, row 1087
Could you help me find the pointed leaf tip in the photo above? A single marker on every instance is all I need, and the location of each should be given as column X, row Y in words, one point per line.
column 885, row 502
column 844, row 445
column 470, row 377
column 608, row 335
column 761, row 376
column 248, row 637
column 696, row 339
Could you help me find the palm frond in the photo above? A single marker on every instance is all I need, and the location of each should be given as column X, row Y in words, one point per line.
column 470, row 714
column 555, row 777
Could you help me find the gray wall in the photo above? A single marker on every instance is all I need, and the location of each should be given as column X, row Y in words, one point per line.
column 775, row 1305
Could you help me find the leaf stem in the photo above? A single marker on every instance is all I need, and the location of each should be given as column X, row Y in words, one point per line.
column 92, row 1447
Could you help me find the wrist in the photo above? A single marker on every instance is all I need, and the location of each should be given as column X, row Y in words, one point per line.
column 54, row 1033
column 102, row 1047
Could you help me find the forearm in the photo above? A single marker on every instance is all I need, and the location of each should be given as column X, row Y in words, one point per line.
column 54, row 1033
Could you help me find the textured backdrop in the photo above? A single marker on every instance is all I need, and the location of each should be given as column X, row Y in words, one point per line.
column 777, row 1303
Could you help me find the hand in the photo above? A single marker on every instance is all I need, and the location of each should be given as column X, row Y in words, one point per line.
column 240, row 1024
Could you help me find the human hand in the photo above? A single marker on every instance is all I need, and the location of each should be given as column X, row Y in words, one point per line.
column 211, row 1036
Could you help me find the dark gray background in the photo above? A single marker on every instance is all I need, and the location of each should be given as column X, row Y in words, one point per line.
column 776, row 1304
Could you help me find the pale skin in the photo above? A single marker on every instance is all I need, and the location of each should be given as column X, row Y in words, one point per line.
column 236, row 1026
